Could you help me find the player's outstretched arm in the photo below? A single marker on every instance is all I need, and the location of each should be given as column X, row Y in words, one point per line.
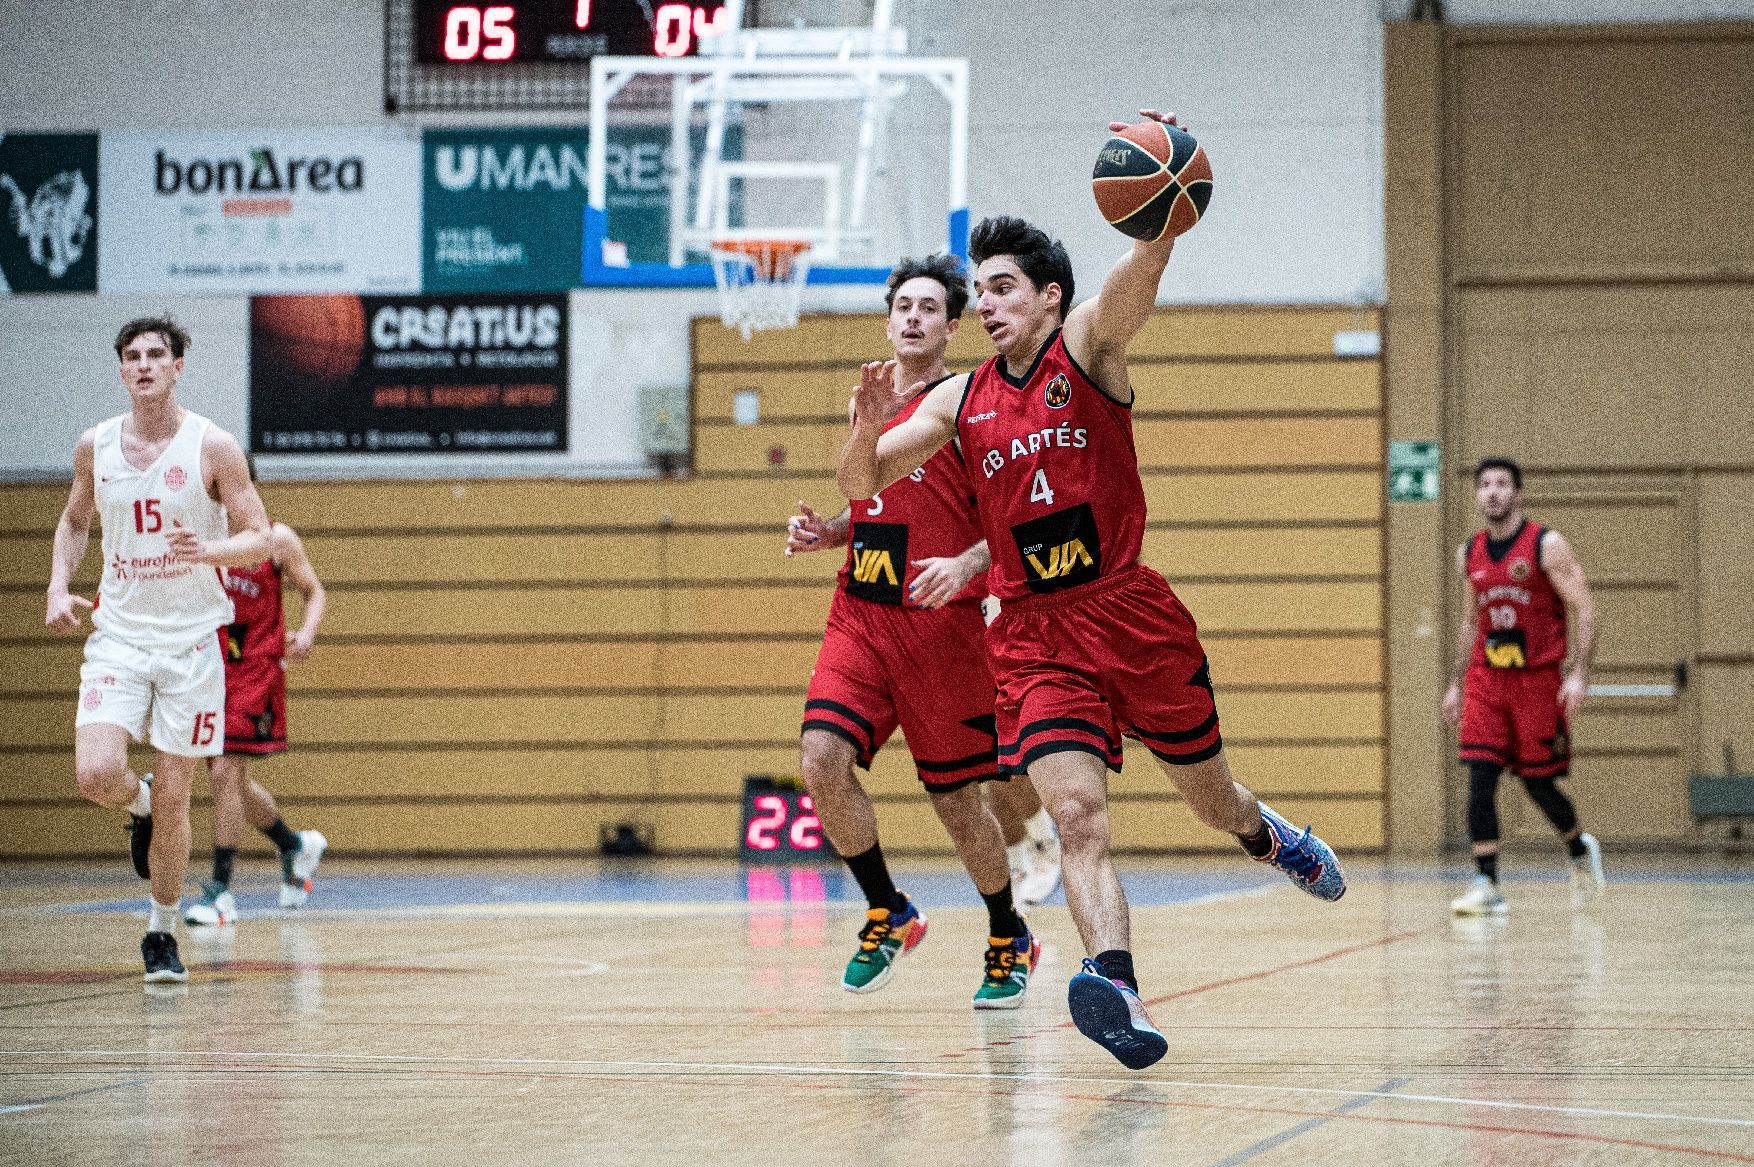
column 1566, row 574
column 872, row 459
column 72, row 534
column 249, row 542
column 289, row 552
column 1098, row 331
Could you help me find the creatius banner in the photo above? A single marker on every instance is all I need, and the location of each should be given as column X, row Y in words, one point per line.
column 407, row 374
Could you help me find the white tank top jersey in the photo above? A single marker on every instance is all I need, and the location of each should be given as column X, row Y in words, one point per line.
column 149, row 599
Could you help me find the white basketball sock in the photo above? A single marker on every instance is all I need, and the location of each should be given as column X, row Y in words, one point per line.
column 164, row 916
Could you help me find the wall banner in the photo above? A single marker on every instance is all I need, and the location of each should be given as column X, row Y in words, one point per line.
column 260, row 211
column 407, row 374
column 48, row 229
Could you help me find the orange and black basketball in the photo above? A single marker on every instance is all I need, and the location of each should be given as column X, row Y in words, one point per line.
column 1152, row 181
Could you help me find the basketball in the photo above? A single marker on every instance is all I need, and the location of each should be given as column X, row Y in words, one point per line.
column 1152, row 181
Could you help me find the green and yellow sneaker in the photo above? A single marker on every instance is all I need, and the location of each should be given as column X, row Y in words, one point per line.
column 885, row 937
column 1008, row 965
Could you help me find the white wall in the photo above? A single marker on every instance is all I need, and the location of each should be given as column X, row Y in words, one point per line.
column 1286, row 95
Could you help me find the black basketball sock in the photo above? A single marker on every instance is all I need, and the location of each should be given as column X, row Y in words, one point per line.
column 1117, row 965
column 1259, row 844
column 1487, row 865
column 1576, row 847
column 1002, row 918
column 282, row 836
column 873, row 877
column 223, row 859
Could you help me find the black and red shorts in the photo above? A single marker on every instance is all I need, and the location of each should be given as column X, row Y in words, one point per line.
column 1512, row 717
column 255, row 706
column 1080, row 669
column 924, row 669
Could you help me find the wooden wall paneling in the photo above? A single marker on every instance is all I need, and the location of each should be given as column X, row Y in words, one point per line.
column 1726, row 563
column 1263, row 498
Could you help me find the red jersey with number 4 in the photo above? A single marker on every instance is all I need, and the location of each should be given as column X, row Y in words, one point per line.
column 1055, row 475
column 927, row 515
column 1521, row 618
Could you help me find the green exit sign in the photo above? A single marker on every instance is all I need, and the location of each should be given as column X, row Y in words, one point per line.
column 1413, row 471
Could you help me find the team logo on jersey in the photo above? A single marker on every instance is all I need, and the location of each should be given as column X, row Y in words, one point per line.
column 1060, row 550
column 1058, row 392
column 1506, row 650
column 1520, row 569
column 877, row 562
column 93, row 698
column 174, row 478
column 118, row 566
column 264, row 724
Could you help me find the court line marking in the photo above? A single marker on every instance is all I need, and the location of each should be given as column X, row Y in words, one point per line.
column 685, row 1069
column 1307, row 1125
column 42, row 1102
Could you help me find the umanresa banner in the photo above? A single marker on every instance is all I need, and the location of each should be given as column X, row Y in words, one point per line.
column 504, row 208
column 48, row 227
column 408, row 374
column 260, row 211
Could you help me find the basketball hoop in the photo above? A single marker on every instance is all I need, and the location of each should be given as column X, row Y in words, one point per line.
column 761, row 281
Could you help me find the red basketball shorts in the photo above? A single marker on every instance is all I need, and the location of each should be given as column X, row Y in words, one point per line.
column 255, row 706
column 1512, row 717
column 924, row 669
column 1077, row 670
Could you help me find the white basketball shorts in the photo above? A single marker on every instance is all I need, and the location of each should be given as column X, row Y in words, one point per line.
column 183, row 694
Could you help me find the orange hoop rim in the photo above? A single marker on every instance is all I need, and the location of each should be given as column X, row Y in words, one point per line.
column 763, row 248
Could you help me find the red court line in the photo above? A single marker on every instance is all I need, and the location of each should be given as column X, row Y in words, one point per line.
column 694, row 1080
column 1379, row 942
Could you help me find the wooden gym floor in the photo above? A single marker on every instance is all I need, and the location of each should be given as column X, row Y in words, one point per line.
column 661, row 1012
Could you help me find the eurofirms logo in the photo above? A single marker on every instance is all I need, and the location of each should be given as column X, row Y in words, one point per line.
column 260, row 171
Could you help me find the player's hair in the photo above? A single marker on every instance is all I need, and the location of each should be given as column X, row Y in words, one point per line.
column 943, row 267
column 174, row 333
column 1497, row 463
column 1042, row 259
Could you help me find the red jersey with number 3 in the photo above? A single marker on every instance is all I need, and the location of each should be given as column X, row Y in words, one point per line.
column 927, row 515
column 1055, row 475
column 1521, row 618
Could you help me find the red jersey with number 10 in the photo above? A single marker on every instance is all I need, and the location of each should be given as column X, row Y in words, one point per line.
column 1521, row 618
column 1055, row 475
column 927, row 515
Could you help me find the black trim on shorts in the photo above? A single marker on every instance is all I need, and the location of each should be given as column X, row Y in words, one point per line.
column 1564, row 770
column 845, row 711
column 958, row 764
column 948, row 787
column 1060, row 746
column 1475, row 747
column 1170, row 739
column 1047, row 723
column 863, row 755
column 1197, row 756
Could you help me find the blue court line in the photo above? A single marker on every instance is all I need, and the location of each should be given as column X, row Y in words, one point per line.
column 33, row 1105
column 1304, row 1127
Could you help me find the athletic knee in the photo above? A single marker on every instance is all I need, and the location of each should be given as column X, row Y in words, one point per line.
column 1082, row 820
column 101, row 780
column 826, row 762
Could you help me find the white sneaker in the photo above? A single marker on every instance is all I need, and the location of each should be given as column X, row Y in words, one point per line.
column 1017, row 855
column 1587, row 880
column 1043, row 874
column 298, row 866
column 1481, row 899
column 215, row 909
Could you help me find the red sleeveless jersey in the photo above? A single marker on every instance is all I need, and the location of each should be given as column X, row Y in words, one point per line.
column 1055, row 475
column 1521, row 619
column 258, row 628
column 927, row 515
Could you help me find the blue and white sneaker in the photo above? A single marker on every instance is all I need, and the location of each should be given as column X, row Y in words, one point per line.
column 1110, row 1014
column 1308, row 861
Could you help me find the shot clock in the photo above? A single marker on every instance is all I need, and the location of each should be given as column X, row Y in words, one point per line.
column 780, row 823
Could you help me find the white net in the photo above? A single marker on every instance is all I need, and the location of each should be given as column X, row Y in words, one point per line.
column 760, row 281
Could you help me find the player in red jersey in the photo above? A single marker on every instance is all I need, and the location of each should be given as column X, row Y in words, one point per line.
column 1090, row 645
column 903, row 647
column 257, row 647
column 1511, row 697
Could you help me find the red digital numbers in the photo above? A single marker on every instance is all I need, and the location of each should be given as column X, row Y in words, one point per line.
column 147, row 519
column 484, row 33
column 768, row 826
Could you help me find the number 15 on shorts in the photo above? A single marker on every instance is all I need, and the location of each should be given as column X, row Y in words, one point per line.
column 206, row 725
